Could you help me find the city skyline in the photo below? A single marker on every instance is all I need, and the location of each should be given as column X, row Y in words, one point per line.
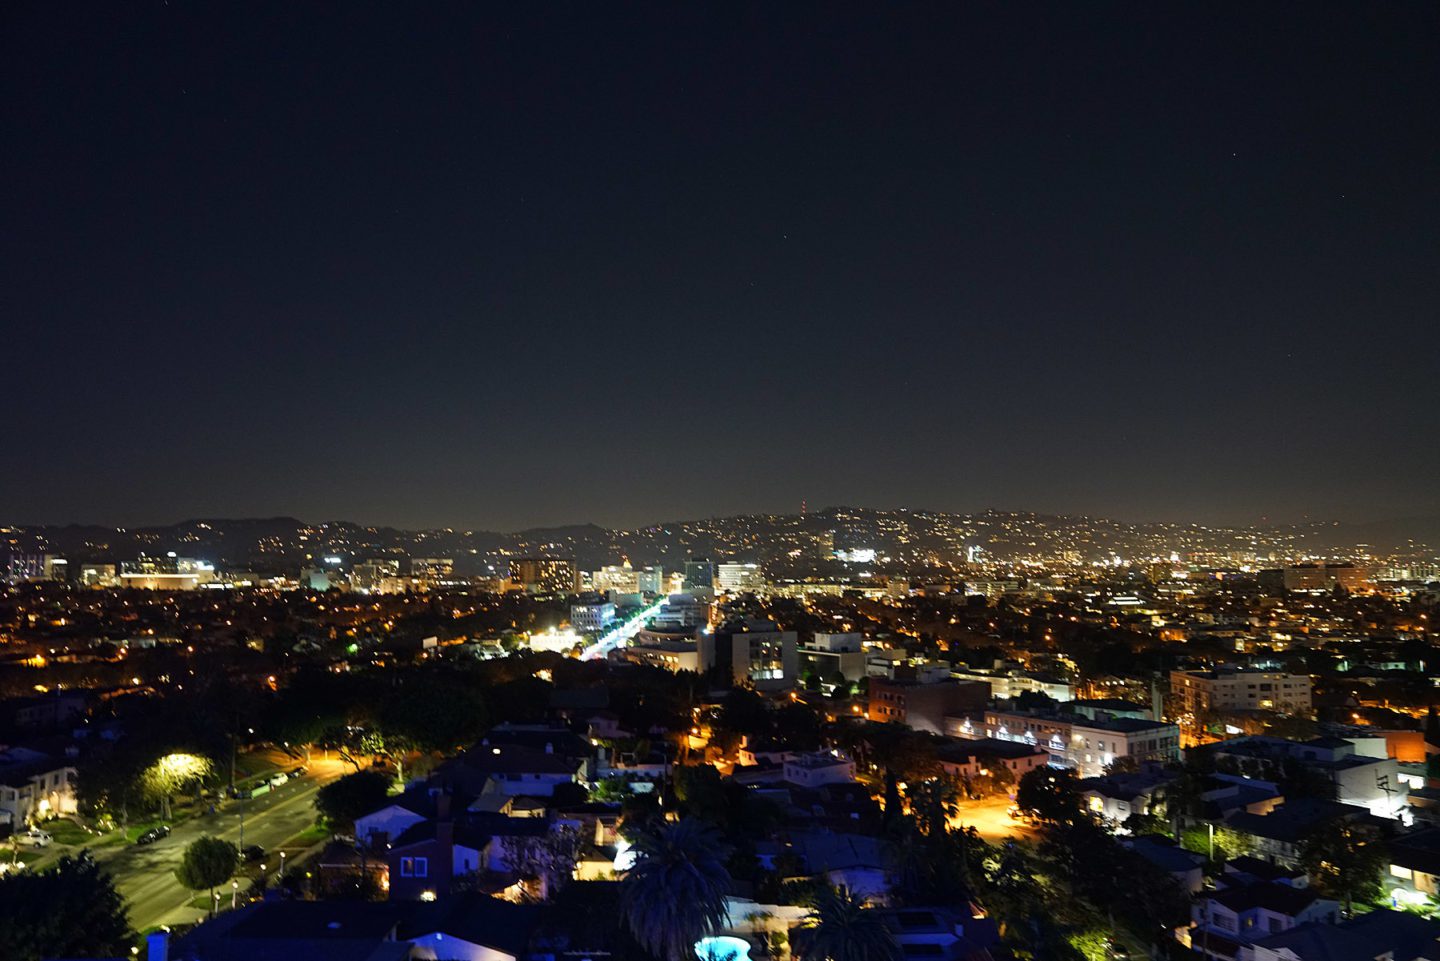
column 505, row 267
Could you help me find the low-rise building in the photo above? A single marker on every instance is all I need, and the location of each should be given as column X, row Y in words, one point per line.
column 818, row 769
column 921, row 706
column 1199, row 692
column 1088, row 746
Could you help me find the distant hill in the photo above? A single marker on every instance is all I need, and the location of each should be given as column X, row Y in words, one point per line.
column 901, row 539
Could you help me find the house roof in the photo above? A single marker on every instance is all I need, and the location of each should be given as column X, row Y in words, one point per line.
column 477, row 918
column 474, row 830
column 285, row 930
column 1406, row 935
column 1279, row 898
column 1258, row 869
column 1166, row 854
column 1419, row 851
column 1313, row 941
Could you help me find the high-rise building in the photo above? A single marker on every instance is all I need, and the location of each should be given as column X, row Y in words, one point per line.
column 544, row 575
column 370, row 576
column 739, row 578
column 620, row 578
column 432, row 568
column 699, row 574
column 650, row 580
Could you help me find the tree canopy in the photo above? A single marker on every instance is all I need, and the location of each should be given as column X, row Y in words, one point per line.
column 342, row 801
column 69, row 911
column 207, row 863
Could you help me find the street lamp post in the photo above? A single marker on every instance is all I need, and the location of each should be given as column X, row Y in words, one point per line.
column 234, row 894
column 281, row 875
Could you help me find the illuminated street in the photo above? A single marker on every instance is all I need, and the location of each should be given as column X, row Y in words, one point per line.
column 990, row 816
column 617, row 636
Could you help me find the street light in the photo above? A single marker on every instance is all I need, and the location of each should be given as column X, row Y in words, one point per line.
column 281, row 876
column 234, row 893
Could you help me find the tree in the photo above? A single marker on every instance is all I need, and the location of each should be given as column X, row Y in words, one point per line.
column 69, row 911
column 355, row 795
column 1050, row 794
column 840, row 928
column 208, row 863
column 675, row 894
column 172, row 773
column 1345, row 862
column 933, row 802
column 547, row 860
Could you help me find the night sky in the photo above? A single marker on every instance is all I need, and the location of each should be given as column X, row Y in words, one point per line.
column 493, row 266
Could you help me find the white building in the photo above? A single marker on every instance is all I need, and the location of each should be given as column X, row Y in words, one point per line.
column 34, row 786
column 592, row 617
column 818, row 769
column 1240, row 690
column 1086, row 745
column 739, row 578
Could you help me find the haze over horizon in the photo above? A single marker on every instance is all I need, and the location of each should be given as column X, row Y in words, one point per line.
column 504, row 267
column 1429, row 521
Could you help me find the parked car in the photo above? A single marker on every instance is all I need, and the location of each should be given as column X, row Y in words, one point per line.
column 278, row 779
column 300, row 771
column 34, row 837
column 253, row 852
column 154, row 834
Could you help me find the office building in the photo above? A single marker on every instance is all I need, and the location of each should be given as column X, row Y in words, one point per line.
column 759, row 654
column 739, row 578
column 543, row 575
column 430, row 571
column 830, row 655
column 168, row 573
column 1232, row 689
column 369, row 576
column 592, row 615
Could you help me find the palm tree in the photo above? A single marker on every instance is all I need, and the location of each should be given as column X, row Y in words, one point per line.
column 840, row 928
column 675, row 894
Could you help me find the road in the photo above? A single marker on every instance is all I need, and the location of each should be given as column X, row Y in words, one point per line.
column 145, row 874
column 617, row 636
column 991, row 818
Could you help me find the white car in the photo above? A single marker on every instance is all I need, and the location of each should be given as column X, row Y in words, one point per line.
column 279, row 779
column 34, row 837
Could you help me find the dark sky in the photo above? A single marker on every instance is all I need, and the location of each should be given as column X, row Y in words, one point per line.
column 484, row 265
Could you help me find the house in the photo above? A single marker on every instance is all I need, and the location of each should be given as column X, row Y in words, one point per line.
column 398, row 815
column 940, row 934
column 1415, row 866
column 856, row 861
column 1280, row 835
column 1186, row 867
column 284, row 930
column 425, row 860
column 1380, row 935
column 1230, row 918
column 818, row 769
column 1117, row 796
column 471, row 927
column 1247, row 870
column 967, row 760
column 1361, row 779
column 510, row 769
column 34, row 786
